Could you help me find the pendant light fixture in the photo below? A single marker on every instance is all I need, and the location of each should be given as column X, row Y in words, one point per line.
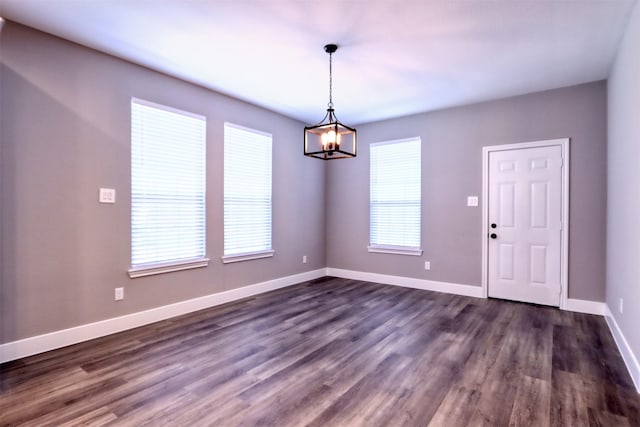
column 330, row 139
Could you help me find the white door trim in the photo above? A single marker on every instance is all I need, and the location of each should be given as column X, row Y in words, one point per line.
column 563, row 143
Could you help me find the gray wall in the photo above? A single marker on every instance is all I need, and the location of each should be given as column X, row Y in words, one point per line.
column 65, row 132
column 623, row 202
column 452, row 170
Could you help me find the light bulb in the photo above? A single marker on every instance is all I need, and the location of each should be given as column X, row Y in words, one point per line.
column 330, row 140
column 331, row 136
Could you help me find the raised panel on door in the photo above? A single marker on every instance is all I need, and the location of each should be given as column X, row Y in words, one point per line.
column 507, row 204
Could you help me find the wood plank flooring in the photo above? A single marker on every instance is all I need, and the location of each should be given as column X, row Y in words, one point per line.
column 335, row 352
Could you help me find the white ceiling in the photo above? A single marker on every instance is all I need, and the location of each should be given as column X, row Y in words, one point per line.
column 395, row 57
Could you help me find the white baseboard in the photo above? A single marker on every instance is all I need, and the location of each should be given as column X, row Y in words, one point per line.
column 408, row 282
column 41, row 343
column 584, row 306
column 629, row 358
column 577, row 305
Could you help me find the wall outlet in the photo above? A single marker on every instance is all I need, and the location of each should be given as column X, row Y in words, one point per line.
column 304, row 259
column 427, row 265
column 621, row 305
column 119, row 294
column 107, row 195
column 472, row 201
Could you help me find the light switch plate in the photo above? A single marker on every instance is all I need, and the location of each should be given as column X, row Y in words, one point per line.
column 107, row 195
column 472, row 201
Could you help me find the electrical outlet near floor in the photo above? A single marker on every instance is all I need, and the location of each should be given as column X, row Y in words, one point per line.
column 119, row 294
column 304, row 259
column 427, row 265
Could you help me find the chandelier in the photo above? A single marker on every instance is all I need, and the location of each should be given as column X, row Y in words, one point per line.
column 330, row 139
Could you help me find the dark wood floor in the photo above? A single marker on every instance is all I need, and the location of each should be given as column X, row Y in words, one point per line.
column 335, row 352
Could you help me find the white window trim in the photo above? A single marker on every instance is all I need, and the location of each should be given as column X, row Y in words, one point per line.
column 168, row 108
column 152, row 269
column 396, row 250
column 227, row 259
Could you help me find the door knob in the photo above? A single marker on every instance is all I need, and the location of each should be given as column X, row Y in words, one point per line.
column 493, row 225
column 493, row 235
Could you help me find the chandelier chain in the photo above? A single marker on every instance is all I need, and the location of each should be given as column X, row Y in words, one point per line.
column 330, row 105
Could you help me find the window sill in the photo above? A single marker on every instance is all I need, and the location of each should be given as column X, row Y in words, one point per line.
column 152, row 269
column 227, row 259
column 396, row 250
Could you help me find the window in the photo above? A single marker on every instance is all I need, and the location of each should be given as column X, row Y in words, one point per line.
column 395, row 197
column 168, row 150
column 247, row 194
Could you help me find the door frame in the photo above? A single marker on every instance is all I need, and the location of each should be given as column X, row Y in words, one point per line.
column 563, row 143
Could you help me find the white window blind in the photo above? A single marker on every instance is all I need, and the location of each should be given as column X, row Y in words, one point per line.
column 168, row 150
column 247, row 193
column 395, row 197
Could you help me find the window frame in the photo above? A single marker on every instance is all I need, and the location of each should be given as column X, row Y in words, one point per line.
column 169, row 265
column 252, row 254
column 391, row 248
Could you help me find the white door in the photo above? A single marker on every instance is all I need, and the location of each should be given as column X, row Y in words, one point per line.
column 525, row 223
